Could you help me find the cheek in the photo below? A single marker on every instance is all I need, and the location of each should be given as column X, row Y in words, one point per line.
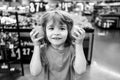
column 66, row 34
column 47, row 37
column 47, row 33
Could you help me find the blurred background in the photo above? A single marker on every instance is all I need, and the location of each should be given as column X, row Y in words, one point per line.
column 101, row 20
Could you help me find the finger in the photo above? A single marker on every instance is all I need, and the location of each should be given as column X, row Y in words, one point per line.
column 81, row 31
column 32, row 32
column 77, row 29
column 80, row 34
column 35, row 35
column 74, row 36
column 39, row 38
column 76, row 33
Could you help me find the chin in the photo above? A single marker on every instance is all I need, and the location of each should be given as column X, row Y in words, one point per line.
column 57, row 43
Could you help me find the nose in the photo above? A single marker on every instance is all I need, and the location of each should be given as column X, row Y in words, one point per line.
column 56, row 32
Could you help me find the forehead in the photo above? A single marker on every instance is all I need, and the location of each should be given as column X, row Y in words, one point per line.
column 55, row 23
column 56, row 18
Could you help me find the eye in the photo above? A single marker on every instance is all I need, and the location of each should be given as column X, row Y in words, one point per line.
column 51, row 28
column 62, row 28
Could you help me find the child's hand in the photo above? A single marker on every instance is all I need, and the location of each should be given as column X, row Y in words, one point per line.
column 78, row 34
column 37, row 35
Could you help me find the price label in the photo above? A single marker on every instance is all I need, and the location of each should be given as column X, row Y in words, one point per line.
column 37, row 6
column 32, row 7
column 26, row 51
column 65, row 5
column 109, row 23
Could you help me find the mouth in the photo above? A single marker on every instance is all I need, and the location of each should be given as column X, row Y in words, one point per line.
column 56, row 38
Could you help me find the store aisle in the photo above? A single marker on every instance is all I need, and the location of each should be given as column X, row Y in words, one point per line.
column 106, row 56
column 106, row 50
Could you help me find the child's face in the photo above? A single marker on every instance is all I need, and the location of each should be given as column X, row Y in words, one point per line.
column 56, row 33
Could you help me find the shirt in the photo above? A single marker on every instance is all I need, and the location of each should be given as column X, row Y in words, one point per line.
column 57, row 64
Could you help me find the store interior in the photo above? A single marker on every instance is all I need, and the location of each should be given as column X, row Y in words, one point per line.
column 101, row 20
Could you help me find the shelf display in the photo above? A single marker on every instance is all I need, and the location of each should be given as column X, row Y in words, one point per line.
column 108, row 21
column 9, row 43
column 107, row 16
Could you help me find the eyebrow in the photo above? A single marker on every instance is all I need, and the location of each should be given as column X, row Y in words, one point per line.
column 63, row 25
column 50, row 26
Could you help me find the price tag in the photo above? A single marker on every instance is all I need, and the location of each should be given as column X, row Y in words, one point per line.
column 36, row 6
column 25, row 51
column 109, row 23
column 66, row 5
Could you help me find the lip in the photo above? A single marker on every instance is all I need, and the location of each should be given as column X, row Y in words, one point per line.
column 56, row 38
